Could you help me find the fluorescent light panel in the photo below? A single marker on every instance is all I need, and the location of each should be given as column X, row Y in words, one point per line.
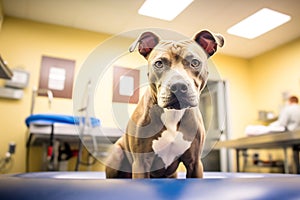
column 163, row 9
column 259, row 23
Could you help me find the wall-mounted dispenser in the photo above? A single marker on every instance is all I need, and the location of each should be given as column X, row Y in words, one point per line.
column 13, row 88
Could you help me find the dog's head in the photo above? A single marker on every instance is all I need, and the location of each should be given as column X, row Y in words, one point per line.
column 177, row 69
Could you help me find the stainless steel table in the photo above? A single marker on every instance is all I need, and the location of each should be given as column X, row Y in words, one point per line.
column 282, row 140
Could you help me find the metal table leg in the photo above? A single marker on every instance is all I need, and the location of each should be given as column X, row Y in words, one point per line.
column 238, row 160
column 286, row 164
column 296, row 150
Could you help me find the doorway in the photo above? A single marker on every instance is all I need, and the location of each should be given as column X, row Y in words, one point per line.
column 214, row 108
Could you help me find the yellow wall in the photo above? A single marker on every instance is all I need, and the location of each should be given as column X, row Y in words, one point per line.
column 1, row 14
column 273, row 73
column 235, row 71
column 24, row 42
column 22, row 45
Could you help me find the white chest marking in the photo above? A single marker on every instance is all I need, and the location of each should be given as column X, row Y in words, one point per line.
column 171, row 143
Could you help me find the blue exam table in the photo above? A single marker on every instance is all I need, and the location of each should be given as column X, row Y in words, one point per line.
column 45, row 129
column 92, row 185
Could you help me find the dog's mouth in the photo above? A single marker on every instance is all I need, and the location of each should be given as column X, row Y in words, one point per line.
column 178, row 103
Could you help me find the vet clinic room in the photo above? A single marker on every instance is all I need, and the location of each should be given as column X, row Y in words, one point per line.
column 151, row 99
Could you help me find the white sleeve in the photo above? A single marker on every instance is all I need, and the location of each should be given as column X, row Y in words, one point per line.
column 283, row 118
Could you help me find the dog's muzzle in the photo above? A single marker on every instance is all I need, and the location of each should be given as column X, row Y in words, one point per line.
column 178, row 95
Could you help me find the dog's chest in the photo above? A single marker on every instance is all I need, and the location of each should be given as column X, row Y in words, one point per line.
column 171, row 144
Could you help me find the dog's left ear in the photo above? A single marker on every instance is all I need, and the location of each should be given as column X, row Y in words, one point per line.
column 146, row 42
column 209, row 41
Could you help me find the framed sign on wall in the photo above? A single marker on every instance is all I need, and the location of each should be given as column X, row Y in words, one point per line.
column 57, row 75
column 126, row 85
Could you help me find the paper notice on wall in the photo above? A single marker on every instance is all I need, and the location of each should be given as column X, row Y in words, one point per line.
column 126, row 85
column 57, row 77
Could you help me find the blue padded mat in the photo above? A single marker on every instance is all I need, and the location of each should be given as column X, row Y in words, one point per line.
column 54, row 118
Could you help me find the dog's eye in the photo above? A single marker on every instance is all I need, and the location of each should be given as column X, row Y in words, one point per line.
column 158, row 64
column 195, row 63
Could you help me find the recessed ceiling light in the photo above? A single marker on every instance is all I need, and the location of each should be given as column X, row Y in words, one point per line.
column 163, row 9
column 259, row 23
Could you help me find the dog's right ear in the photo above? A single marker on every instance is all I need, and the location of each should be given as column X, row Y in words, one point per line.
column 146, row 42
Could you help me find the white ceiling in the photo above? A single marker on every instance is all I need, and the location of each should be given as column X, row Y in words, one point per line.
column 116, row 16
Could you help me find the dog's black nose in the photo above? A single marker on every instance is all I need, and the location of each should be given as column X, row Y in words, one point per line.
column 179, row 87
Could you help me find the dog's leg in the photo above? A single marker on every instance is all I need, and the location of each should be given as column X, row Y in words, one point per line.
column 198, row 171
column 194, row 170
column 117, row 165
column 142, row 165
column 192, row 162
column 138, row 170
